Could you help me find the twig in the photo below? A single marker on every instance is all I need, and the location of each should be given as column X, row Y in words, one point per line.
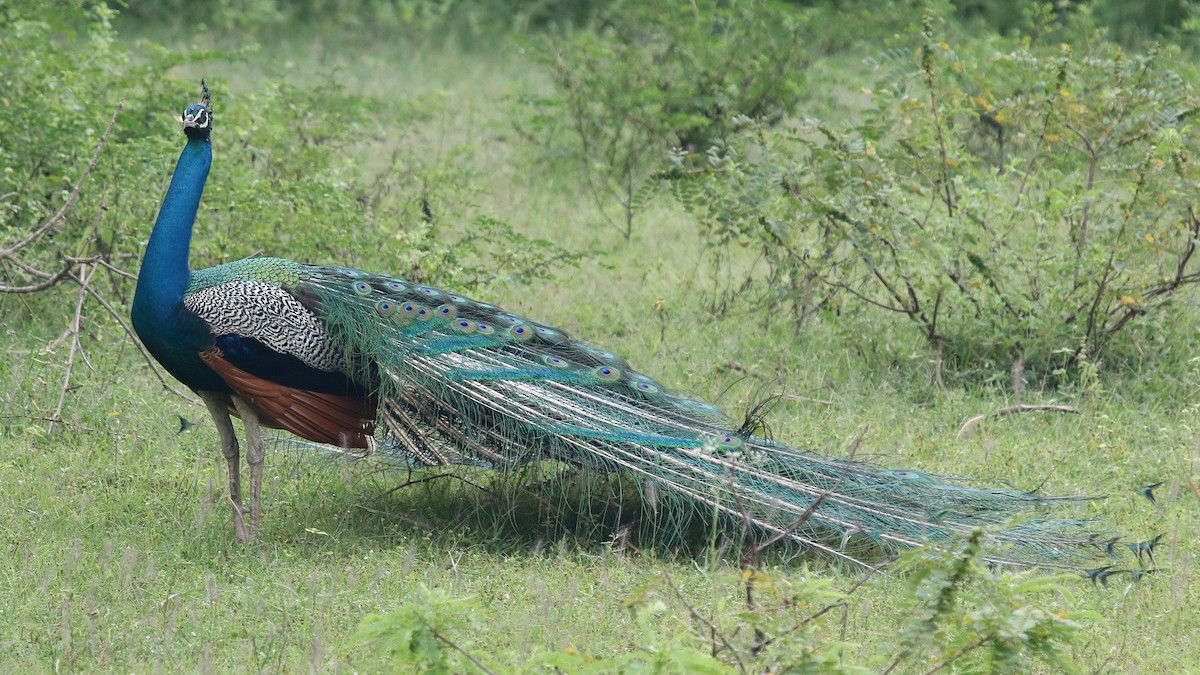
column 752, row 558
column 116, row 270
column 451, row 644
column 717, row 635
column 958, row 655
column 1014, row 409
column 827, row 608
column 48, row 420
column 427, row 479
column 26, row 268
column 806, row 399
column 39, row 286
column 136, row 342
column 55, row 219
column 84, row 278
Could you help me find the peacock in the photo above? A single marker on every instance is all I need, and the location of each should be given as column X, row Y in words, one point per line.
column 432, row 378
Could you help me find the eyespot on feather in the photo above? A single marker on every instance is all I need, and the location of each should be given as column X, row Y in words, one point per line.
column 728, row 442
column 520, row 333
column 607, row 373
column 645, row 385
column 385, row 307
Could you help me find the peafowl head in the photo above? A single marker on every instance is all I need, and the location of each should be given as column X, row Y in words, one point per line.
column 197, row 118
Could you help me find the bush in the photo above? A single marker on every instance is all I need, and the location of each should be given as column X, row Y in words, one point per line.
column 958, row 611
column 64, row 76
column 1019, row 207
column 650, row 76
column 285, row 179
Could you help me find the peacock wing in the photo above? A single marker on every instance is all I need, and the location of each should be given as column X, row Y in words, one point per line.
column 275, row 353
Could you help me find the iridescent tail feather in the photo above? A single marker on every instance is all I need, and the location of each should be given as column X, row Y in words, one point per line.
column 466, row 383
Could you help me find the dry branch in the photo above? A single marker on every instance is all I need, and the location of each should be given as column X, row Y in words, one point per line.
column 1014, row 409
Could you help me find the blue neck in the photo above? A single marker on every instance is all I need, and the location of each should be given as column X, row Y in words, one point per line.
column 164, row 274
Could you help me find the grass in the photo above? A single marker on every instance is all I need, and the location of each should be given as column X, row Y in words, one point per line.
column 118, row 552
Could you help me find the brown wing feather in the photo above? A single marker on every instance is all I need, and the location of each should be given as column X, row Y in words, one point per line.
column 345, row 421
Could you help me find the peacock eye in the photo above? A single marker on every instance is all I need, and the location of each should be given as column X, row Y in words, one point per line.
column 645, row 386
column 728, row 442
column 607, row 373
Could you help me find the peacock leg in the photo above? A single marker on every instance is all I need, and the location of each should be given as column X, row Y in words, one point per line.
column 215, row 402
column 254, row 459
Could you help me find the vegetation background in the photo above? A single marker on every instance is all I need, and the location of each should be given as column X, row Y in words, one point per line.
column 951, row 236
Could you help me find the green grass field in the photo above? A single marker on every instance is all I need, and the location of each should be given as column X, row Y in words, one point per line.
column 118, row 551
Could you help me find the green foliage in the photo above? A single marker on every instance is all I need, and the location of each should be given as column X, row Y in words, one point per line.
column 416, row 21
column 414, row 636
column 959, row 611
column 1127, row 21
column 287, row 178
column 649, row 76
column 781, row 628
column 64, row 74
column 964, row 611
column 1016, row 206
column 291, row 172
column 449, row 239
column 118, row 553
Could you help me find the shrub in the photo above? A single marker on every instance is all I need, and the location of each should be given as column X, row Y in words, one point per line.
column 1017, row 206
column 958, row 611
column 649, row 76
column 285, row 179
